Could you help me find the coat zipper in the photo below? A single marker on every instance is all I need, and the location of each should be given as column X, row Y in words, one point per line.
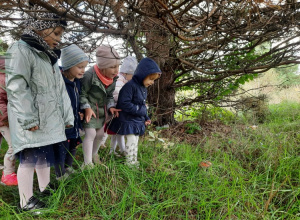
column 76, row 107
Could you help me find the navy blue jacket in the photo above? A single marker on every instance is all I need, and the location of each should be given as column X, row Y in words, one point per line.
column 132, row 101
column 74, row 89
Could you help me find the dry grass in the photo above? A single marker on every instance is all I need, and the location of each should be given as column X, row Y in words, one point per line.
column 269, row 84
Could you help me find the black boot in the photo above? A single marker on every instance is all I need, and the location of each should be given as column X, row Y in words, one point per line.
column 33, row 204
column 49, row 190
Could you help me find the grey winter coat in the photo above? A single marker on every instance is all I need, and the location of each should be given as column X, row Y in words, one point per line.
column 94, row 95
column 37, row 96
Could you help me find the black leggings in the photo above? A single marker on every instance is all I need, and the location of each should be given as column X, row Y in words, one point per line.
column 64, row 154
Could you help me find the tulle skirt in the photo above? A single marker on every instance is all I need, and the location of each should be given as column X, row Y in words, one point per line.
column 38, row 157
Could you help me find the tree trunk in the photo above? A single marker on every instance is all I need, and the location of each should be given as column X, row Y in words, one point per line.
column 161, row 99
column 161, row 96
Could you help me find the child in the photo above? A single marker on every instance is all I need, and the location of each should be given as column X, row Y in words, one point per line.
column 73, row 63
column 132, row 101
column 126, row 72
column 38, row 104
column 98, row 85
column 9, row 177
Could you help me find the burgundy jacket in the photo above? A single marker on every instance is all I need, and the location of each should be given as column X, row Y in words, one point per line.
column 3, row 95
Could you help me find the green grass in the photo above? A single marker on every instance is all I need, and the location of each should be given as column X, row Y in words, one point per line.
column 255, row 174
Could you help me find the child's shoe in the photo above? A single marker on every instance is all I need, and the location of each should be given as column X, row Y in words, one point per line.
column 49, row 190
column 34, row 205
column 70, row 170
column 87, row 166
column 111, row 152
column 9, row 180
column 63, row 177
column 96, row 159
column 102, row 146
column 134, row 165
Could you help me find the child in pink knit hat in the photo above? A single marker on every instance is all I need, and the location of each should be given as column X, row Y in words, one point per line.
column 98, row 85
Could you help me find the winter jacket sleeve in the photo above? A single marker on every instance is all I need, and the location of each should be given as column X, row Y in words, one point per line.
column 86, row 83
column 18, row 73
column 125, row 101
column 110, row 100
column 68, row 115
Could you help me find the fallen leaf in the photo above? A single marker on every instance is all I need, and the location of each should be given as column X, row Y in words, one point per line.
column 254, row 127
column 205, row 164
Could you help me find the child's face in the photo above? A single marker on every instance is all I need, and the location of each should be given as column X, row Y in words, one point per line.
column 149, row 80
column 77, row 71
column 110, row 72
column 128, row 76
column 52, row 36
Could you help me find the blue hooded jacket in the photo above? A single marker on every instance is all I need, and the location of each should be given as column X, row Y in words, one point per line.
column 132, row 101
column 73, row 89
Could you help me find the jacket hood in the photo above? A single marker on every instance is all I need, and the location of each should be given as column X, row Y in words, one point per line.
column 145, row 67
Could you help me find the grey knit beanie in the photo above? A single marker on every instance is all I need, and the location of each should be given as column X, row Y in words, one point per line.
column 107, row 56
column 129, row 65
column 71, row 56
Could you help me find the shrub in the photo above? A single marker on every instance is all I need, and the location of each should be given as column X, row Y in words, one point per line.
column 253, row 108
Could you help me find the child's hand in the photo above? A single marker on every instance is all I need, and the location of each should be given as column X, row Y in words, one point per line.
column 88, row 114
column 148, row 122
column 34, row 128
column 81, row 115
column 115, row 111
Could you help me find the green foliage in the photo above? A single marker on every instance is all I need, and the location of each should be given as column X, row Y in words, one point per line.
column 283, row 113
column 205, row 113
column 192, row 128
column 236, row 60
column 3, row 47
column 154, row 137
column 233, row 84
column 221, row 114
column 290, row 69
column 239, row 58
column 288, row 75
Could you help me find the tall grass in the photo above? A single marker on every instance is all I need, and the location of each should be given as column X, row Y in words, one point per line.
column 254, row 175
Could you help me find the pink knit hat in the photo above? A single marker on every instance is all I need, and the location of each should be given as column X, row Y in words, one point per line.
column 107, row 56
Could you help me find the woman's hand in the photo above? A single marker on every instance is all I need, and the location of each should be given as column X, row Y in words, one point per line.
column 88, row 114
column 115, row 111
column 148, row 122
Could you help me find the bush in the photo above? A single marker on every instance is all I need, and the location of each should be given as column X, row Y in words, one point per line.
column 254, row 109
column 204, row 113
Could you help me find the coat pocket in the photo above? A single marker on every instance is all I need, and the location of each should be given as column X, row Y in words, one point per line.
column 41, row 111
